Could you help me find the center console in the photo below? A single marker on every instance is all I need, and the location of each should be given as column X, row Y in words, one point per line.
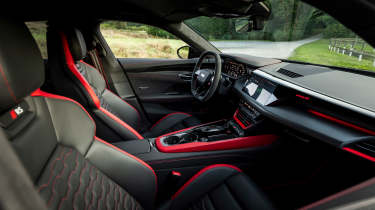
column 239, row 141
column 239, row 132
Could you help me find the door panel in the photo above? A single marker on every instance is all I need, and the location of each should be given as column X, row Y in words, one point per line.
column 162, row 85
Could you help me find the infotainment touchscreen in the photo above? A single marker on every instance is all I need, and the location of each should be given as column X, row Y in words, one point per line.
column 261, row 90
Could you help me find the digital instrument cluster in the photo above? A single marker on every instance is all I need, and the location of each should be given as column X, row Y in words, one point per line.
column 234, row 69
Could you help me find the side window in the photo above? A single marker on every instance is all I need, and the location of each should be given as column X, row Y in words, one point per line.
column 134, row 40
column 39, row 31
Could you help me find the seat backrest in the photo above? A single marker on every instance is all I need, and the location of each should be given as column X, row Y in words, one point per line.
column 55, row 138
column 107, row 107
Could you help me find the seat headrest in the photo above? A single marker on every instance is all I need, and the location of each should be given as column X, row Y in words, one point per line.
column 77, row 44
column 21, row 64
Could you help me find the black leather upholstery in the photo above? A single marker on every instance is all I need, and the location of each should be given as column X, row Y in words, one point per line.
column 77, row 43
column 117, row 114
column 170, row 123
column 219, row 187
column 71, row 182
column 54, row 138
column 23, row 64
column 50, row 124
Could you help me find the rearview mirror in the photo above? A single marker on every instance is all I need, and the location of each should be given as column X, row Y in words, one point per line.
column 259, row 13
column 243, row 25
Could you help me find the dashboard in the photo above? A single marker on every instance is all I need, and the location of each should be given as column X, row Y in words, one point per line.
column 327, row 104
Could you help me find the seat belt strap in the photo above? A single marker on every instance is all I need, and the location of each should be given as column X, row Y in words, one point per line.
column 98, row 64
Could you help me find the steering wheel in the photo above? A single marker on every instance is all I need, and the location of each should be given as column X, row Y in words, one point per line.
column 204, row 82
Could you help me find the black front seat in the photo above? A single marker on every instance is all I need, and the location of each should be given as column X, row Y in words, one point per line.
column 71, row 168
column 111, row 110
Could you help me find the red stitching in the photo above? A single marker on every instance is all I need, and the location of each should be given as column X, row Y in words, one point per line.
column 88, row 186
column 124, row 201
column 51, row 171
column 79, row 186
column 120, row 196
column 68, row 182
column 106, row 196
column 101, row 194
column 11, row 93
column 58, row 177
column 115, row 196
column 92, row 191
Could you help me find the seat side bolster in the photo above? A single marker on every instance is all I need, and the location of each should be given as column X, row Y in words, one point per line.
column 64, row 111
column 193, row 189
column 128, row 171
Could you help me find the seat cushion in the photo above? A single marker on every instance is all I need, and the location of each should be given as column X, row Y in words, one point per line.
column 219, row 186
column 172, row 122
column 71, row 182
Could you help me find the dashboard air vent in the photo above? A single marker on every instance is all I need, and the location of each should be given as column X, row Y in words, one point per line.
column 365, row 147
column 289, row 73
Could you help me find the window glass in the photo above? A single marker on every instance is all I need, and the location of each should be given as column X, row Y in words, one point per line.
column 134, row 40
column 295, row 31
column 39, row 31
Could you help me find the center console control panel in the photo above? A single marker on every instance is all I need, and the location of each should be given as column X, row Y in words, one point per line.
column 215, row 131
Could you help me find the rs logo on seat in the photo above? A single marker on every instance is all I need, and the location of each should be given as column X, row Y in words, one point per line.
column 18, row 110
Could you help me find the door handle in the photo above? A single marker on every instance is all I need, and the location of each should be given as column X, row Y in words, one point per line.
column 143, row 87
column 186, row 77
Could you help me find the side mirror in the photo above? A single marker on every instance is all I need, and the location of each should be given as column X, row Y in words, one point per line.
column 187, row 52
column 183, row 52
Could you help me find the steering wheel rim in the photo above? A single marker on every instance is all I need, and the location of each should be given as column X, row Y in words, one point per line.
column 205, row 82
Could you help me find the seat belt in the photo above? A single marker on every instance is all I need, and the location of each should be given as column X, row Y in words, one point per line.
column 96, row 61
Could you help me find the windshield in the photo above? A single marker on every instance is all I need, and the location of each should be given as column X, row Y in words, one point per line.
column 294, row 31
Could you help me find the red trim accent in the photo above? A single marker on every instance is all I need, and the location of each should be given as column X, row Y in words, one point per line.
column 239, row 121
column 139, row 116
column 236, row 143
column 176, row 173
column 359, row 154
column 130, row 155
column 339, row 194
column 303, row 97
column 13, row 114
column 41, row 93
column 11, row 93
column 342, row 122
column 168, row 115
column 94, row 97
column 200, row 173
column 119, row 121
column 72, row 67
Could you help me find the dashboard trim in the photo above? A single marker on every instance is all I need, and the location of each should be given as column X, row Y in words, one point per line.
column 315, row 94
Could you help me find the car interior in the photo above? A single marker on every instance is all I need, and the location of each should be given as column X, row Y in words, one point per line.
column 84, row 129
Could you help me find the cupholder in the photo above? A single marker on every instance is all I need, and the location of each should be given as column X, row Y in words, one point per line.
column 186, row 138
column 181, row 139
column 172, row 140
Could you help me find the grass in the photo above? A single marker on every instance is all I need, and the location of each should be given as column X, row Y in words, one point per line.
column 139, row 44
column 317, row 52
column 39, row 30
